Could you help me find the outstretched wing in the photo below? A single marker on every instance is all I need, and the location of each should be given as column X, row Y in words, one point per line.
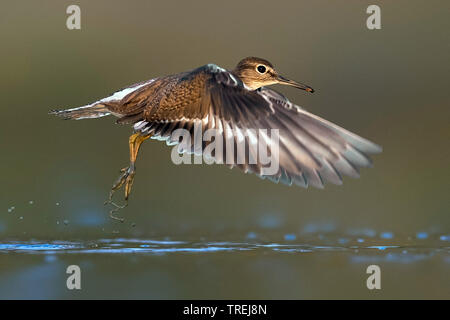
column 312, row 150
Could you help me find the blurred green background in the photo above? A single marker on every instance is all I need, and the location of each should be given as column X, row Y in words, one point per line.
column 388, row 85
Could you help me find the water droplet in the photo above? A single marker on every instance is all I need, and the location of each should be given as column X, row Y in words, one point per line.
column 66, row 222
column 421, row 235
column 251, row 235
column 21, row 218
column 387, row 235
column 445, row 238
column 290, row 237
column 31, row 202
column 360, row 240
column 57, row 203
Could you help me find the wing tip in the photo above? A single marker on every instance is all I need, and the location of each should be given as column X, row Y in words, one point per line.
column 373, row 148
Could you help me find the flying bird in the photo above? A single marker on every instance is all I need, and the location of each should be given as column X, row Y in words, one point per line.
column 311, row 151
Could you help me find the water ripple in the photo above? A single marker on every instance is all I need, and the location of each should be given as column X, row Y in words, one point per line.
column 357, row 251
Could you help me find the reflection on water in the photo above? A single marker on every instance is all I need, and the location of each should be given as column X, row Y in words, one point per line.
column 320, row 260
column 295, row 266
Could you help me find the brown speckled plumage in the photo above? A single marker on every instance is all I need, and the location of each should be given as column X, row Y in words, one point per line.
column 312, row 150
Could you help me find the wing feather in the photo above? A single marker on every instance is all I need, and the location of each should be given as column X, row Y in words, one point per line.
column 312, row 150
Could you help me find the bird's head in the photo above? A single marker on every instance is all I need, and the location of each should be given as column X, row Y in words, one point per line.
column 256, row 73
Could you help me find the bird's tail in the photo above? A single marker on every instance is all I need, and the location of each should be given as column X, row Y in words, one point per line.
column 95, row 110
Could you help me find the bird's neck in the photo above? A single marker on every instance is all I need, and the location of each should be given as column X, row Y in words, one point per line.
column 248, row 82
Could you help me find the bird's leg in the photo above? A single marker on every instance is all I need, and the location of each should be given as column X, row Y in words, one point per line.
column 128, row 173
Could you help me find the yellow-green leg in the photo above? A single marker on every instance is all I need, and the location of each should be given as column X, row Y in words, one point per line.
column 128, row 173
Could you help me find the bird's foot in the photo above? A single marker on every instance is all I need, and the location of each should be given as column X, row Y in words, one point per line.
column 126, row 178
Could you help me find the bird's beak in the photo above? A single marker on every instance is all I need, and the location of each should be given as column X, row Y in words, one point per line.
column 292, row 83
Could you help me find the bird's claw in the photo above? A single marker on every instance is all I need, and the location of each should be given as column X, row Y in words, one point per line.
column 126, row 178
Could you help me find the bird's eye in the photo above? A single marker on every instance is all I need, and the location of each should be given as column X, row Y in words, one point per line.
column 261, row 68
